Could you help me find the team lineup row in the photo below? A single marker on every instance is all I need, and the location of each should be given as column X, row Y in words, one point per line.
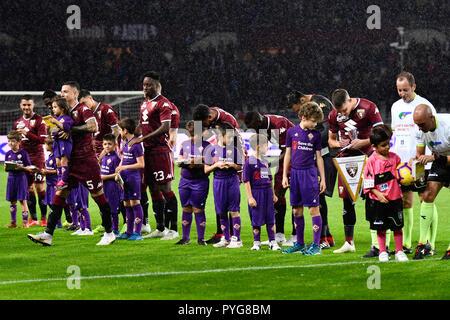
column 307, row 152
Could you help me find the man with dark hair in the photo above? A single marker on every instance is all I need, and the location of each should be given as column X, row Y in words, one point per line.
column 107, row 119
column 210, row 118
column 83, row 167
column 295, row 100
column 351, row 121
column 269, row 124
column 47, row 97
column 155, row 124
column 33, row 130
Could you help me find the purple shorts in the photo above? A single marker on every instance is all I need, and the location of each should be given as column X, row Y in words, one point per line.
column 62, row 148
column 264, row 212
column 227, row 194
column 17, row 188
column 132, row 185
column 73, row 196
column 304, row 187
column 112, row 192
column 49, row 195
column 193, row 192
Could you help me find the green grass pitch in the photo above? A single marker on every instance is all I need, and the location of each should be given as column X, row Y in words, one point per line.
column 154, row 269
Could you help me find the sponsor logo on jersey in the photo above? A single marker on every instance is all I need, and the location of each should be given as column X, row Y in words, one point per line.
column 433, row 144
column 403, row 115
column 383, row 187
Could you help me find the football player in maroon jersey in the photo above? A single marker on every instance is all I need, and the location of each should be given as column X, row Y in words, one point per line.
column 351, row 122
column 33, row 130
column 83, row 168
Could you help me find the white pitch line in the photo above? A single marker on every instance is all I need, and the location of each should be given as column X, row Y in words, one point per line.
column 201, row 271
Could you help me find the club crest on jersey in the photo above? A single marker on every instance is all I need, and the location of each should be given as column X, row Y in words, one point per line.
column 19, row 156
column 352, row 169
column 99, row 113
column 75, row 114
column 360, row 113
column 32, row 122
column 310, row 136
column 108, row 161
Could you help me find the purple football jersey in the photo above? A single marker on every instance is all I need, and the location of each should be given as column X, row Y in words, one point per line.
column 189, row 150
column 109, row 163
column 303, row 144
column 131, row 154
column 216, row 153
column 21, row 158
column 257, row 172
column 50, row 164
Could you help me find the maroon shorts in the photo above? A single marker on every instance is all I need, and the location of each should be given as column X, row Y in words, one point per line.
column 87, row 172
column 159, row 165
column 278, row 180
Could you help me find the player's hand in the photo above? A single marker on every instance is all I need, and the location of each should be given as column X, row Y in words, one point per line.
column 64, row 135
column 285, row 182
column 411, row 161
column 275, row 199
column 323, row 186
column 22, row 131
column 116, row 177
column 221, row 165
column 425, row 159
column 344, row 142
column 119, row 169
column 357, row 144
column 134, row 141
column 382, row 197
column 252, row 202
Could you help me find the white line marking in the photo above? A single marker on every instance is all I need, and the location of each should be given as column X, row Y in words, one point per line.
column 203, row 271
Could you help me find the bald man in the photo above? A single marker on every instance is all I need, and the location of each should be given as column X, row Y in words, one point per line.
column 434, row 132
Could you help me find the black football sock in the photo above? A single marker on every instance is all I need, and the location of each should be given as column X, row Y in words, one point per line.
column 42, row 205
column 68, row 215
column 32, row 205
column 145, row 204
column 158, row 208
column 280, row 214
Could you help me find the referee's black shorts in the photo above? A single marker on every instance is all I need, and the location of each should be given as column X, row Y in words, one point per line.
column 439, row 172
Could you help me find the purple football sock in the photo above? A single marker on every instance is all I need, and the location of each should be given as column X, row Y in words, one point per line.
column 256, row 233
column 186, row 222
column 13, row 210
column 82, row 222
column 25, row 215
column 138, row 214
column 300, row 229
column 317, row 228
column 130, row 220
column 200, row 221
column 87, row 218
column 270, row 232
column 225, row 226
column 115, row 221
column 237, row 227
column 59, row 173
column 64, row 173
column 74, row 213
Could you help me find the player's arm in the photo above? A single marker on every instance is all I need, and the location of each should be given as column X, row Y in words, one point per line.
column 333, row 140
column 248, row 190
column 115, row 131
column 40, row 136
column 321, row 167
column 173, row 132
column 140, row 164
column 420, row 155
column 163, row 129
column 286, row 164
column 48, row 172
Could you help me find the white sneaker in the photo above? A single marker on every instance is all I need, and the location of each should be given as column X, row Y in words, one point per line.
column 280, row 238
column 274, row 245
column 384, row 256
column 401, row 256
column 157, row 234
column 347, row 247
column 146, row 228
column 42, row 238
column 77, row 233
column 86, row 232
column 290, row 242
column 235, row 243
column 265, row 243
column 256, row 245
column 171, row 234
column 107, row 239
column 222, row 243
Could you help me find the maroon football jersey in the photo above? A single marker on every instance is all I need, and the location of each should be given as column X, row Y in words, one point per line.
column 34, row 139
column 279, row 123
column 175, row 123
column 82, row 143
column 106, row 119
column 357, row 125
column 153, row 113
column 224, row 116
